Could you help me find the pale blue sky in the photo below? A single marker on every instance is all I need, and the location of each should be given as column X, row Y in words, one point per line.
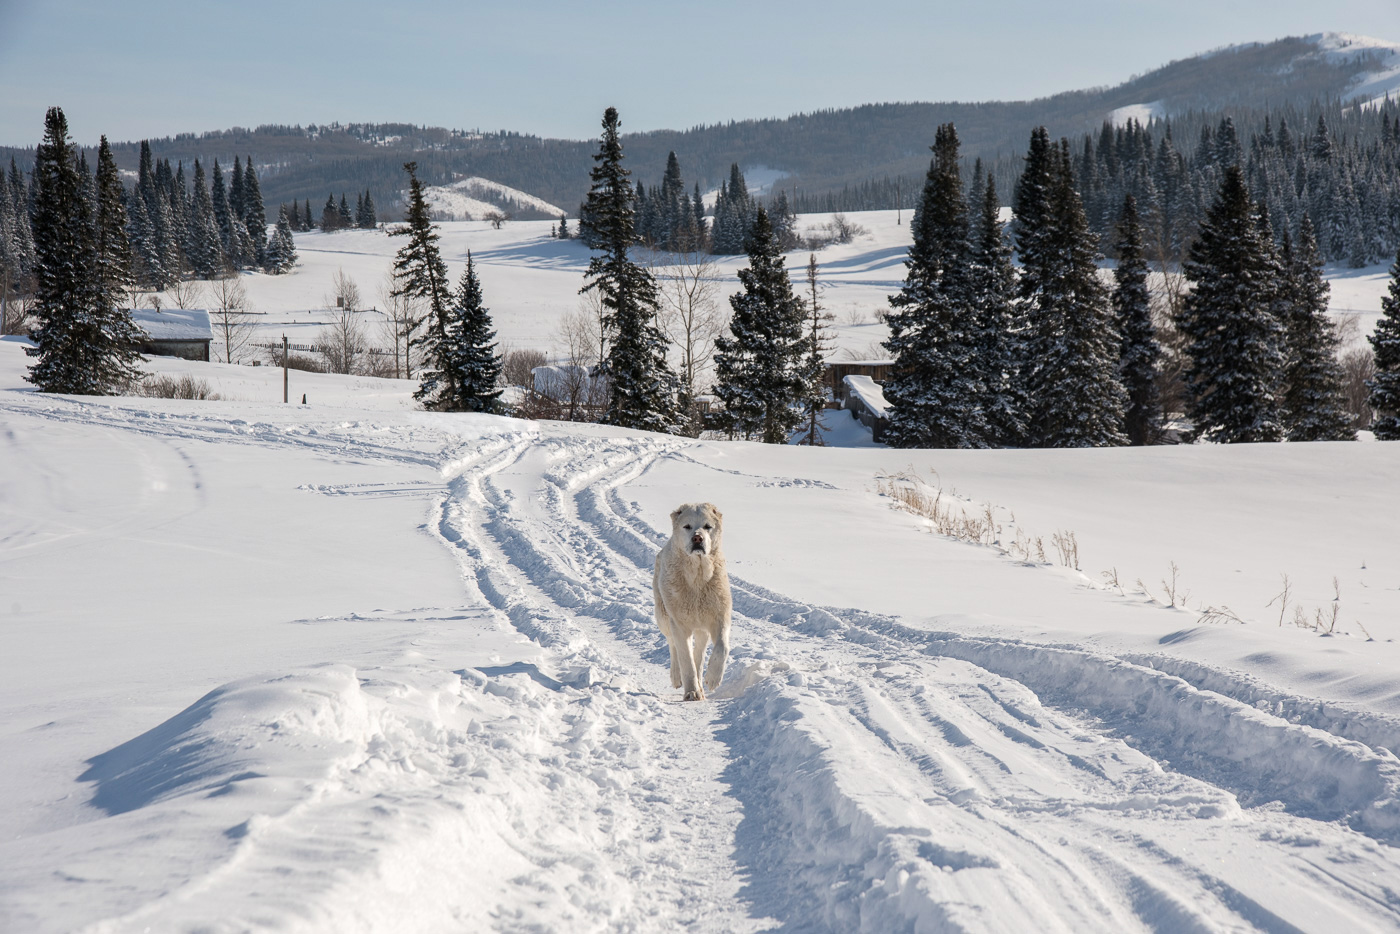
column 134, row 70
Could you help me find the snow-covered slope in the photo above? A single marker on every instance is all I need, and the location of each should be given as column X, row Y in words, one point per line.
column 352, row 667
column 473, row 198
column 1372, row 87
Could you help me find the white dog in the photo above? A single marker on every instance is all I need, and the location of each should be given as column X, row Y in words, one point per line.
column 693, row 603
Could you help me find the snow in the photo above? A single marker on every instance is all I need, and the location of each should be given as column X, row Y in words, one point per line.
column 1142, row 113
column 350, row 666
column 1370, row 89
column 174, row 323
column 871, row 396
column 468, row 198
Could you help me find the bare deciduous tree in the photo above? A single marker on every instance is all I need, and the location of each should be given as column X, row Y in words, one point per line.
column 582, row 395
column 15, row 308
column 690, row 317
column 344, row 292
column 231, row 314
column 497, row 218
column 185, row 293
column 402, row 315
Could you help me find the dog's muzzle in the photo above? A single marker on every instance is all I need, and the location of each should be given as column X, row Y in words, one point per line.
column 697, row 543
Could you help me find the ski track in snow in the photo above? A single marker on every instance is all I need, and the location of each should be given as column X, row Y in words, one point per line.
column 853, row 773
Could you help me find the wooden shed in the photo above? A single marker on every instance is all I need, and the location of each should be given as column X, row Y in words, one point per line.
column 838, row 370
column 175, row 332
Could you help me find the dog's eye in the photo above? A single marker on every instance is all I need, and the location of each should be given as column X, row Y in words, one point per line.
column 707, row 526
column 687, row 528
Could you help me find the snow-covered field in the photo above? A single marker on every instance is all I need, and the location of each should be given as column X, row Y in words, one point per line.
column 531, row 280
column 352, row 667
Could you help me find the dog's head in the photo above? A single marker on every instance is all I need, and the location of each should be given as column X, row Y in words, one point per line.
column 695, row 528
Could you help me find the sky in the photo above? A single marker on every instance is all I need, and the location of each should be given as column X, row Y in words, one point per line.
column 156, row 68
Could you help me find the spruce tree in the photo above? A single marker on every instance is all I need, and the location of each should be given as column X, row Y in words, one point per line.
column 203, row 246
column 223, row 215
column 1079, row 401
column 1385, row 342
column 237, row 198
column 307, row 219
column 935, row 391
column 1000, row 326
column 1313, row 406
column 642, row 387
column 113, row 272
column 419, row 270
column 83, row 344
column 281, row 253
column 461, row 370
column 330, row 215
column 368, row 218
column 762, row 369
column 1233, row 341
column 344, row 218
column 254, row 214
column 818, row 345
column 1139, row 351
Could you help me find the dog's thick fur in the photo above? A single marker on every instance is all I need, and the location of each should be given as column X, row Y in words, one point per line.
column 693, row 603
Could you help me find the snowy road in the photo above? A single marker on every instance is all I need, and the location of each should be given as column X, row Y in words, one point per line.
column 517, row 761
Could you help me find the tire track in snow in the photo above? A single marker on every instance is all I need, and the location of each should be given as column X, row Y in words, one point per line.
column 1163, row 891
column 661, row 836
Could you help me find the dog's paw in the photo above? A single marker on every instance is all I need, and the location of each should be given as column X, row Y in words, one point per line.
column 675, row 679
column 696, row 694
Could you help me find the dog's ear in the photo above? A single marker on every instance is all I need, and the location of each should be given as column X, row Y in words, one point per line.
column 714, row 511
column 676, row 514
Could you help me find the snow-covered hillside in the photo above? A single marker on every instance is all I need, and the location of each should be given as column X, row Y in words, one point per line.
column 530, row 280
column 352, row 667
column 474, row 198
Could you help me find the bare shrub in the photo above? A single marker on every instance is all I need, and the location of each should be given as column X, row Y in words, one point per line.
column 15, row 310
column 1358, row 367
column 170, row 387
column 581, row 395
column 497, row 218
column 517, row 371
column 1067, row 548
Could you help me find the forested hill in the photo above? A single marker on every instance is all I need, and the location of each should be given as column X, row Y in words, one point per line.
column 823, row 152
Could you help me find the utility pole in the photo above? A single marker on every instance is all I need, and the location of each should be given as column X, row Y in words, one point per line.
column 284, row 368
column 898, row 203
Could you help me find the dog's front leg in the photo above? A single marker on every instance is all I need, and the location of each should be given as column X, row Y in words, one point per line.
column 714, row 673
column 686, row 653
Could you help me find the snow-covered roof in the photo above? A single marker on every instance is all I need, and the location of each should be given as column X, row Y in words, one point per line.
column 869, row 392
column 174, row 324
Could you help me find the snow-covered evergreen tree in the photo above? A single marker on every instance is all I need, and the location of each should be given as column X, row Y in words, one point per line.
column 82, row 344
column 935, row 390
column 419, row 271
column 1079, row 401
column 367, row 218
column 1139, row 351
column 113, row 273
column 1000, row 326
column 1313, row 407
column 1385, row 342
column 203, row 246
column 642, row 387
column 461, row 368
column 762, row 372
column 281, row 253
column 1233, row 340
column 254, row 215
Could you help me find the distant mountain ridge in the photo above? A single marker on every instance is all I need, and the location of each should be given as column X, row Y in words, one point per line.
column 816, row 152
